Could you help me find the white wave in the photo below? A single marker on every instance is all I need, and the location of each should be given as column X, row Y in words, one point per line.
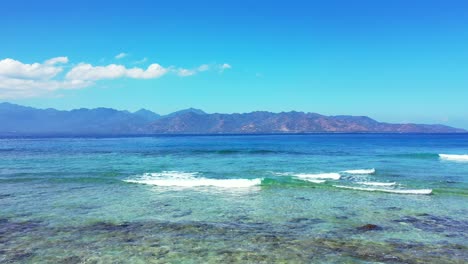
column 283, row 173
column 199, row 182
column 184, row 179
column 378, row 183
column 399, row 191
column 362, row 171
column 313, row 181
column 333, row 176
column 453, row 157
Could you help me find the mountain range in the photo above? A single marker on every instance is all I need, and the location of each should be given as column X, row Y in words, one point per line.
column 17, row 120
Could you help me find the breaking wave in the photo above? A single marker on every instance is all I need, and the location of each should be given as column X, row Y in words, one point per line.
column 314, row 180
column 398, row 191
column 361, row 171
column 453, row 157
column 189, row 179
column 307, row 176
column 377, row 183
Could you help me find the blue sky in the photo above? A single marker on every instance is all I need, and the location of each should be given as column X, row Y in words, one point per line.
column 395, row 61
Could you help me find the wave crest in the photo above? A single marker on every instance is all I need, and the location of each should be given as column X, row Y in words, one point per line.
column 361, row 171
column 314, row 180
column 453, row 157
column 377, row 183
column 398, row 191
column 189, row 179
column 332, row 176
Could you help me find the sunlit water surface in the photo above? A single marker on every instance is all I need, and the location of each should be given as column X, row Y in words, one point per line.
column 330, row 198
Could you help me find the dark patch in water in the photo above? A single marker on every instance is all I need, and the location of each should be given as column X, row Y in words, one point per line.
column 108, row 227
column 7, row 149
column 339, row 207
column 423, row 214
column 451, row 182
column 369, row 227
column 77, row 188
column 72, row 260
column 2, row 196
column 19, row 256
column 436, row 224
column 7, row 226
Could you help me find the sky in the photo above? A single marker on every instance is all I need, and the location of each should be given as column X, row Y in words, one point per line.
column 395, row 61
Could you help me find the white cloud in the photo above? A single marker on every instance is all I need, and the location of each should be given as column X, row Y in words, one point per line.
column 15, row 69
column 153, row 71
column 224, row 66
column 19, row 80
column 186, row 72
column 85, row 71
column 203, row 67
column 121, row 55
column 189, row 72
column 21, row 88
column 56, row 60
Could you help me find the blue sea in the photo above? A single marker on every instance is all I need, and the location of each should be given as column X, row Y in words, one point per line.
column 320, row 198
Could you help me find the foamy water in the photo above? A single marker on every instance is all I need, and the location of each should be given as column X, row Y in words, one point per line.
column 452, row 157
column 313, row 180
column 377, row 183
column 331, row 176
column 190, row 179
column 398, row 191
column 360, row 171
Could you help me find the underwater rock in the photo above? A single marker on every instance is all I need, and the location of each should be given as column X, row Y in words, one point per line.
column 435, row 224
column 71, row 260
column 341, row 217
column 369, row 227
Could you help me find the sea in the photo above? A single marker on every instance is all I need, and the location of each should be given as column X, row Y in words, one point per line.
column 315, row 198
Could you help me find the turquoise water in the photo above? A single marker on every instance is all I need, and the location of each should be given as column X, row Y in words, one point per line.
column 326, row 198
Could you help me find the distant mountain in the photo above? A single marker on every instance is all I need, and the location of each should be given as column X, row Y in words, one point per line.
column 147, row 114
column 189, row 110
column 290, row 122
column 21, row 120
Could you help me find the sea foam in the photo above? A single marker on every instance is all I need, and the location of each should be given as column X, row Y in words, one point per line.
column 361, row 171
column 187, row 179
column 399, row 191
column 454, row 157
column 332, row 176
column 377, row 183
column 313, row 180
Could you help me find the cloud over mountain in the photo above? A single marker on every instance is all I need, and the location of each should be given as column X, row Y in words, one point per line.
column 20, row 80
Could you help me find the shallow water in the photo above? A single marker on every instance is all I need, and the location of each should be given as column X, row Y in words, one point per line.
column 248, row 199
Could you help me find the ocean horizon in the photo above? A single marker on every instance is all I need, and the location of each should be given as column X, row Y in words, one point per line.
column 346, row 198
